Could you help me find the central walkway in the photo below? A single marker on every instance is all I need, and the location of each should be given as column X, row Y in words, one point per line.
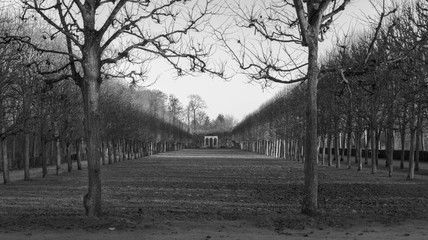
column 204, row 183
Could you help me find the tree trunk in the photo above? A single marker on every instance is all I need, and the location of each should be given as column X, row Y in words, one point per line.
column 27, row 157
column 412, row 127
column 402, row 138
column 79, row 154
column 26, row 104
column 323, row 150
column 90, row 88
column 310, row 189
column 366, row 150
column 52, row 156
column 123, row 151
column 390, row 150
column 376, row 153
column 373, row 148
column 110, row 155
column 336, row 147
column 329, row 159
column 124, row 157
column 418, row 142
column 68, row 157
column 5, row 160
column 411, row 172
column 115, row 154
column 34, row 150
column 103, row 152
column 43, row 156
column 13, row 157
column 58, row 148
column 358, row 157
column 349, row 149
column 342, row 148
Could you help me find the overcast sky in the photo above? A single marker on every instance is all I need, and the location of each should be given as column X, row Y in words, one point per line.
column 237, row 97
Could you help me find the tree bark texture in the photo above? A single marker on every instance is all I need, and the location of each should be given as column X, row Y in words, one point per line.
column 90, row 88
column 92, row 200
column 310, row 192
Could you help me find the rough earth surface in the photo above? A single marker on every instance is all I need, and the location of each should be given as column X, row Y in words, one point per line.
column 216, row 194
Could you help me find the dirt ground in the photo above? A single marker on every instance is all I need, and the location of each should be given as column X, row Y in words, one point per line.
column 216, row 194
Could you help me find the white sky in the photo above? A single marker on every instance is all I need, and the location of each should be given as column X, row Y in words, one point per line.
column 237, row 97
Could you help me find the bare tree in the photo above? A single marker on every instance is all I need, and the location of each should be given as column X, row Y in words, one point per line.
column 301, row 22
column 100, row 37
column 196, row 104
column 175, row 108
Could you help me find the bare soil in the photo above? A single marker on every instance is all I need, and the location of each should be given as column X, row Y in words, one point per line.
column 216, row 194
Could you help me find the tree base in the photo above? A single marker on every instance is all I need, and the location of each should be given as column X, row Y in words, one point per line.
column 90, row 208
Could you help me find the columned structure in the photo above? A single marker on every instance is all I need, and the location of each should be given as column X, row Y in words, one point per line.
column 211, row 141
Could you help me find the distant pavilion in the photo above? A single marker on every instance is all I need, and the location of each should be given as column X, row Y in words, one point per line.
column 210, row 141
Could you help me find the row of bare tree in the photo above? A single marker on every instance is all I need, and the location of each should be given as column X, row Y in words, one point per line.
column 359, row 106
column 42, row 124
